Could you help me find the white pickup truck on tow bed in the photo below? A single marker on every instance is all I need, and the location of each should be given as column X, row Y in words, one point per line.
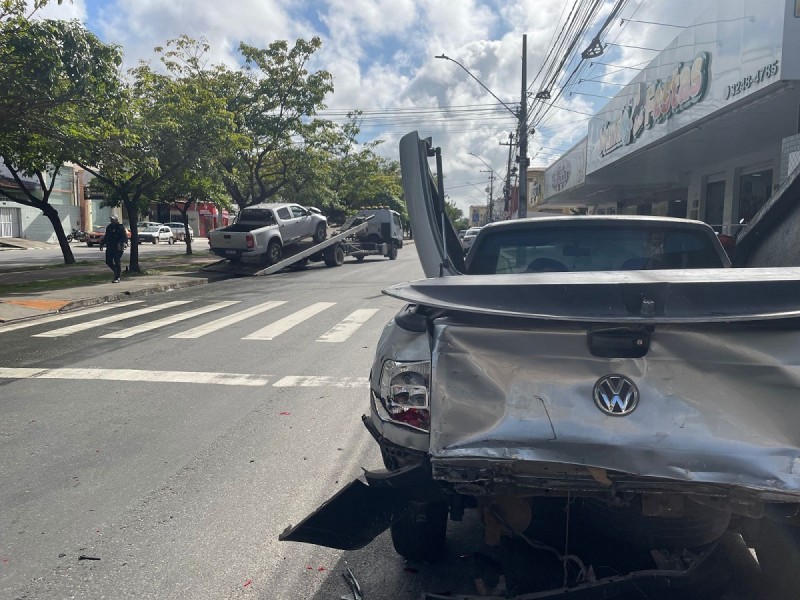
column 263, row 230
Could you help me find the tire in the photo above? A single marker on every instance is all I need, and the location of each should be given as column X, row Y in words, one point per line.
column 69, row 237
column 274, row 253
column 171, row 241
column 335, row 256
column 359, row 258
column 700, row 525
column 89, row 244
column 419, row 533
column 392, row 251
column 321, row 233
column 778, row 550
column 155, row 241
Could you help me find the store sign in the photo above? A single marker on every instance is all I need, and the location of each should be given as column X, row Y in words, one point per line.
column 653, row 103
column 567, row 172
column 560, row 176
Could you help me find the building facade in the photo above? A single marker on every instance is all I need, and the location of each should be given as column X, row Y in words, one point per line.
column 708, row 130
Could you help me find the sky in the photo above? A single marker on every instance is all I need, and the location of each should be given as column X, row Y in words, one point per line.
column 381, row 54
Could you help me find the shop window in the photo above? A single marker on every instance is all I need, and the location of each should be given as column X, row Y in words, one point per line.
column 715, row 204
column 754, row 191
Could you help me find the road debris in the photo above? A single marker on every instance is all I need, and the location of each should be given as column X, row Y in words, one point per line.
column 85, row 557
column 355, row 587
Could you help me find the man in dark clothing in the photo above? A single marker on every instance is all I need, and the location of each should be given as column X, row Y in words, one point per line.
column 115, row 240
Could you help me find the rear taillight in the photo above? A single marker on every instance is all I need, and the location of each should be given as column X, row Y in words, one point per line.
column 251, row 242
column 405, row 392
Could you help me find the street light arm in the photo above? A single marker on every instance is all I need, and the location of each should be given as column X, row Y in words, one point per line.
column 508, row 108
column 485, row 163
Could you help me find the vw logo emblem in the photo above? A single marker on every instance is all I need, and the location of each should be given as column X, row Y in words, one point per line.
column 616, row 395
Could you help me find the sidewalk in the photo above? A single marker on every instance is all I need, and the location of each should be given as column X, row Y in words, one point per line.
column 28, row 304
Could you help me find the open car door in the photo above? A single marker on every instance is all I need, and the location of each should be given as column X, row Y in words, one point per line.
column 435, row 238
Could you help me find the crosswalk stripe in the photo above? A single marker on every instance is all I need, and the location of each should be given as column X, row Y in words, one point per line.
column 131, row 331
column 202, row 330
column 156, row 377
column 321, row 381
column 62, row 316
column 110, row 319
column 273, row 330
column 348, row 326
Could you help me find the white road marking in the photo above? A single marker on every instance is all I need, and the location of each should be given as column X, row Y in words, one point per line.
column 273, row 330
column 111, row 319
column 69, row 315
column 202, row 330
column 131, row 331
column 136, row 375
column 321, row 381
column 348, row 326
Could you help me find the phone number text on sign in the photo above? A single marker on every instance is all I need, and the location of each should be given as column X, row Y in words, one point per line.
column 746, row 83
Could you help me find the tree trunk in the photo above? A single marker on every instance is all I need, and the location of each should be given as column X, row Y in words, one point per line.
column 132, row 208
column 185, row 219
column 52, row 214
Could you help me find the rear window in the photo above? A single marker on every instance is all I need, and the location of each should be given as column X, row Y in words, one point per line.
column 257, row 215
column 592, row 249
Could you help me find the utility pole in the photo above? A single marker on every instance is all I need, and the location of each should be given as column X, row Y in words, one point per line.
column 523, row 134
column 490, row 189
column 507, row 187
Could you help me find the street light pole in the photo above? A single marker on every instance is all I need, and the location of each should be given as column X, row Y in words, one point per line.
column 523, row 134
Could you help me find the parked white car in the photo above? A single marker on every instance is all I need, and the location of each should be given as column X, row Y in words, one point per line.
column 155, row 234
column 179, row 231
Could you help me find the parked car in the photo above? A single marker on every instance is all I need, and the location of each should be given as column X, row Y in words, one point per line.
column 155, row 234
column 179, row 231
column 98, row 233
column 145, row 224
column 469, row 237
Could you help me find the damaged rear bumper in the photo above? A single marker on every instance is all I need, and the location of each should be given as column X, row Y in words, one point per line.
column 360, row 512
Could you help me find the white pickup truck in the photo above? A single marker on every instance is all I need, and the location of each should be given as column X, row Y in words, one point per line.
column 262, row 230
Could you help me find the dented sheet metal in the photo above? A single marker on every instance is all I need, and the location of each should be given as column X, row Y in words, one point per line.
column 718, row 404
column 677, row 296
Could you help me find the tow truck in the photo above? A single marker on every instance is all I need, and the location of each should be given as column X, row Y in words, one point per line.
column 332, row 252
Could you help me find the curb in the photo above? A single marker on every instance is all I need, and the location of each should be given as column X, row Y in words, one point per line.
column 84, row 302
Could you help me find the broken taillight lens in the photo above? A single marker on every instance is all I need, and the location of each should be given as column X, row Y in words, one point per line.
column 405, row 392
column 251, row 242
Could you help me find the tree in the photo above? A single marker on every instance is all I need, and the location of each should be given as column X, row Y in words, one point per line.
column 55, row 77
column 456, row 215
column 163, row 135
column 273, row 97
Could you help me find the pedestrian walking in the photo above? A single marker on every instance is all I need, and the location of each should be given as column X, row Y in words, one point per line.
column 115, row 240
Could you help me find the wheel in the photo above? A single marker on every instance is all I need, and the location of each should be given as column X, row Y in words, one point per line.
column 392, row 251
column 321, row 233
column 171, row 241
column 69, row 237
column 89, row 244
column 334, row 257
column 155, row 240
column 778, row 550
column 274, row 253
column 360, row 257
column 419, row 533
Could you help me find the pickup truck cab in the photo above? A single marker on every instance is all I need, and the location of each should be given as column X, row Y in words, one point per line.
column 609, row 376
column 263, row 230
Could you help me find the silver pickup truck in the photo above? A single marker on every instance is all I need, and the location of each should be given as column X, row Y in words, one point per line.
column 609, row 377
column 262, row 231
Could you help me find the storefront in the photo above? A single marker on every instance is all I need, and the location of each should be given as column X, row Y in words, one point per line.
column 702, row 131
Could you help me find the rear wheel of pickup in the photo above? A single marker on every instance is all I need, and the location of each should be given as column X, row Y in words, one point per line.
column 321, row 233
column 392, row 250
column 334, row 257
column 419, row 533
column 274, row 253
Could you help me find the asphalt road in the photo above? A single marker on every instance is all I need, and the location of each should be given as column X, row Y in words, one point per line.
column 175, row 462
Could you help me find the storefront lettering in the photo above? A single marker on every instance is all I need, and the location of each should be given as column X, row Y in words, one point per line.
column 560, row 176
column 654, row 103
column 744, row 84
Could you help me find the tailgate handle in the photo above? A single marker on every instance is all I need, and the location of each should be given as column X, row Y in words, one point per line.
column 226, row 236
column 618, row 343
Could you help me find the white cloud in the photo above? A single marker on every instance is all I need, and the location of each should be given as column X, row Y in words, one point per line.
column 381, row 55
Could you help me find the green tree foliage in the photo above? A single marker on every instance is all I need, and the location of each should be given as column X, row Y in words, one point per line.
column 341, row 176
column 456, row 215
column 274, row 98
column 55, row 76
column 165, row 132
